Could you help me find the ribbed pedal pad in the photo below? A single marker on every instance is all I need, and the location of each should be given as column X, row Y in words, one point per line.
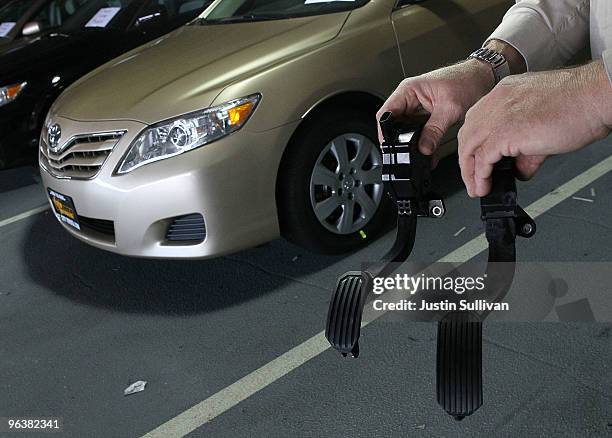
column 345, row 312
column 459, row 364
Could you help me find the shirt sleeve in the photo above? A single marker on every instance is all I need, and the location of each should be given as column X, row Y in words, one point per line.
column 546, row 32
column 607, row 60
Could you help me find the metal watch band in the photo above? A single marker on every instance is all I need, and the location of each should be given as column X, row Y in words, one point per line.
column 496, row 60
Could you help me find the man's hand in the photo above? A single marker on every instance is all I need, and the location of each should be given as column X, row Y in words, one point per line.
column 532, row 116
column 446, row 94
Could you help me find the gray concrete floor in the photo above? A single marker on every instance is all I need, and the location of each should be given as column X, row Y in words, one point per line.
column 78, row 325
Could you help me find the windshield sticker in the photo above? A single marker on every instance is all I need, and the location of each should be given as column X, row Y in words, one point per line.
column 5, row 28
column 308, row 2
column 102, row 17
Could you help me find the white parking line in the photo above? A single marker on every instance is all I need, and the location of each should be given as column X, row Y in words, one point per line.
column 23, row 215
column 250, row 384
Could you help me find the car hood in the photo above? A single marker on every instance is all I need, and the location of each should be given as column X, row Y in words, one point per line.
column 185, row 70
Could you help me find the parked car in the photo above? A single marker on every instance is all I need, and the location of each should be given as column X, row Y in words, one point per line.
column 255, row 120
column 34, row 72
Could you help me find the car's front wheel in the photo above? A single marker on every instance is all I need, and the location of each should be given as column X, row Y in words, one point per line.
column 330, row 193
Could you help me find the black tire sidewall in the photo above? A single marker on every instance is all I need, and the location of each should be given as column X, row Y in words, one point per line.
column 298, row 220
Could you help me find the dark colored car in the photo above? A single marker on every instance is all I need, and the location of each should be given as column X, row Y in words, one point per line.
column 34, row 72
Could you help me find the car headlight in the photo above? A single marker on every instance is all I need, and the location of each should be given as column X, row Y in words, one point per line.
column 10, row 92
column 189, row 131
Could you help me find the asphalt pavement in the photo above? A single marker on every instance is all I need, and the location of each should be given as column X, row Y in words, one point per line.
column 78, row 325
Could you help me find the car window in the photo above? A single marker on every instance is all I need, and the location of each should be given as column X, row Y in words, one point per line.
column 228, row 11
column 56, row 12
column 97, row 15
column 14, row 10
column 171, row 8
column 189, row 6
column 11, row 13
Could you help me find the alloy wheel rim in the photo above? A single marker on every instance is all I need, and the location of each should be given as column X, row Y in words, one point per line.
column 346, row 183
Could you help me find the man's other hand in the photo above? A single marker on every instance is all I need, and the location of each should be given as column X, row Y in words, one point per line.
column 532, row 116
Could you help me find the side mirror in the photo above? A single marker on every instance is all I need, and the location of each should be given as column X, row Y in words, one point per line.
column 31, row 28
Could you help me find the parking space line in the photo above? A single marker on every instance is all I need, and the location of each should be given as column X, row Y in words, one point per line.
column 225, row 399
column 23, row 215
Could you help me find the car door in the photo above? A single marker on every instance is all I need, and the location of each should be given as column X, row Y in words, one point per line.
column 433, row 33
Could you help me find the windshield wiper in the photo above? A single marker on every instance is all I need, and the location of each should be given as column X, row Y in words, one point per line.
column 242, row 18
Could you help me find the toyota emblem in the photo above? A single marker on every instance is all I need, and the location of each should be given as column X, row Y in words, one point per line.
column 53, row 135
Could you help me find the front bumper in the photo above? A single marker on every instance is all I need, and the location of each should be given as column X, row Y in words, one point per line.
column 230, row 182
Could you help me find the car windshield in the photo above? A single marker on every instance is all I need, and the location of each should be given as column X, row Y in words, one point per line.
column 11, row 13
column 231, row 11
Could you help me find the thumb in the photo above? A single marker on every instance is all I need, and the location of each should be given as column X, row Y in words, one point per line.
column 528, row 165
column 433, row 131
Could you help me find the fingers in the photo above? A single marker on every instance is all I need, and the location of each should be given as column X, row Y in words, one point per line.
column 477, row 161
column 433, row 131
column 467, row 174
column 467, row 156
column 403, row 101
column 484, row 161
column 435, row 159
column 477, row 155
column 466, row 163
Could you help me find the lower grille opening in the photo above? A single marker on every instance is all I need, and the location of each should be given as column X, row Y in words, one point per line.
column 98, row 225
column 187, row 230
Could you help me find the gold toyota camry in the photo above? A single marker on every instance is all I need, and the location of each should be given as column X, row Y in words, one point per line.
column 255, row 120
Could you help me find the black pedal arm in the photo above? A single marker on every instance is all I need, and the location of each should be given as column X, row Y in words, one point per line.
column 459, row 356
column 407, row 179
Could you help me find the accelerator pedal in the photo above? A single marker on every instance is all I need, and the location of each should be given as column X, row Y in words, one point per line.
column 459, row 364
column 345, row 312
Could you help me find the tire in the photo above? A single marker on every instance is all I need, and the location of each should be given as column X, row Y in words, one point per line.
column 299, row 190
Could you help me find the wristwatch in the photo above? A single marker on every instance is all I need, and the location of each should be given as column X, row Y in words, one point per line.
column 496, row 60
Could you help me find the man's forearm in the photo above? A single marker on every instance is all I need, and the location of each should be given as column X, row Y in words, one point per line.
column 597, row 89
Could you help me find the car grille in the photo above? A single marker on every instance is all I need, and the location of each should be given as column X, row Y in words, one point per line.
column 82, row 157
column 187, row 230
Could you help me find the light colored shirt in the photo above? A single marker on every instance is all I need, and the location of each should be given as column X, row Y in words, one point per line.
column 548, row 33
